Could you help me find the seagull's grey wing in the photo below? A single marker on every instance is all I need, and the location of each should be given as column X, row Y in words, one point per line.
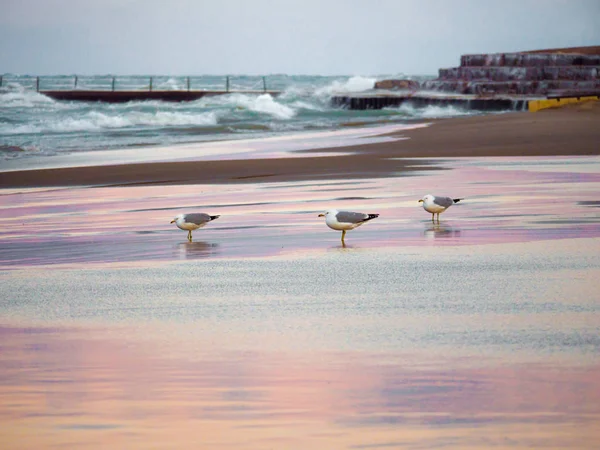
column 443, row 201
column 197, row 218
column 351, row 217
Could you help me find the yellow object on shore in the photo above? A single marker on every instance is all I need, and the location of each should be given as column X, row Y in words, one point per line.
column 536, row 105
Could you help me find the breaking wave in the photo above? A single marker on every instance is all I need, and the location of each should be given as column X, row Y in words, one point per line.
column 31, row 123
column 264, row 104
column 432, row 111
column 96, row 121
column 353, row 84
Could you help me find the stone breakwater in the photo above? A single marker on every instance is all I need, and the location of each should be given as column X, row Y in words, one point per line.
column 495, row 82
column 552, row 73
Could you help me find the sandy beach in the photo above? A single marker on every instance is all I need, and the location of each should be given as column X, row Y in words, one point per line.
column 268, row 123
column 267, row 332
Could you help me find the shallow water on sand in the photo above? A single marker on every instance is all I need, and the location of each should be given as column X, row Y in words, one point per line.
column 481, row 331
column 449, row 347
column 534, row 199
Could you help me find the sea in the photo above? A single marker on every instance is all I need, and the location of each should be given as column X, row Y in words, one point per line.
column 34, row 125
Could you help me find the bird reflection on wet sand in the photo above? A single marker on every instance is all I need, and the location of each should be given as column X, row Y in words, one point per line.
column 436, row 230
column 196, row 250
column 342, row 246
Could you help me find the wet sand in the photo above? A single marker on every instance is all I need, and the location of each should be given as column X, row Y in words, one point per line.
column 265, row 332
column 454, row 347
column 506, row 201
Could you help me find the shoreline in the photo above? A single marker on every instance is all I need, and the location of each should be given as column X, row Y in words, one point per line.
column 567, row 131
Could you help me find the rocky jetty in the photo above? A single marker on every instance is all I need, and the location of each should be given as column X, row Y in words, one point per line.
column 557, row 72
column 540, row 73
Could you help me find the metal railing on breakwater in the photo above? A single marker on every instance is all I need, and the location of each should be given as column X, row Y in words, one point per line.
column 115, row 89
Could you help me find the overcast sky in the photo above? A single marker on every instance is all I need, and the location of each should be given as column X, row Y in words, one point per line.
column 328, row 37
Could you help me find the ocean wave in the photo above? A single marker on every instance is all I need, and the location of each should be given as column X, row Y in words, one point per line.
column 14, row 95
column 170, row 85
column 293, row 92
column 317, row 97
column 308, row 106
column 8, row 152
column 266, row 104
column 432, row 111
column 353, row 84
column 97, row 121
column 11, row 149
column 40, row 125
column 261, row 104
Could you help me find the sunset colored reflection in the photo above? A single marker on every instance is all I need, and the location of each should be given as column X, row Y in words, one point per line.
column 534, row 199
column 79, row 387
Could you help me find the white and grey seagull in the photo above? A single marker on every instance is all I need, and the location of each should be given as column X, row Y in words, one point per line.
column 436, row 205
column 345, row 220
column 190, row 222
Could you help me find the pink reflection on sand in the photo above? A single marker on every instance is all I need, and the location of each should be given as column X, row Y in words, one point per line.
column 82, row 388
column 504, row 203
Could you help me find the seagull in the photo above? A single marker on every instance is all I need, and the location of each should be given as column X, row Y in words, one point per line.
column 436, row 205
column 345, row 220
column 192, row 221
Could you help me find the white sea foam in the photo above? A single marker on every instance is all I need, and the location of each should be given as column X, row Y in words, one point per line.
column 170, row 84
column 293, row 92
column 263, row 104
column 300, row 104
column 432, row 111
column 266, row 104
column 353, row 84
column 97, row 121
column 16, row 96
column 168, row 118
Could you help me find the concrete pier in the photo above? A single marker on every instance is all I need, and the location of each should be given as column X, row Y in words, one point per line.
column 379, row 101
column 133, row 96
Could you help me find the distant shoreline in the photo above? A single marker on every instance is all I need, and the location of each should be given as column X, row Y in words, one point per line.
column 573, row 130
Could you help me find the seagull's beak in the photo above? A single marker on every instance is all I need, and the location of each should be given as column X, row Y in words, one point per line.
column 421, row 201
column 172, row 221
column 321, row 215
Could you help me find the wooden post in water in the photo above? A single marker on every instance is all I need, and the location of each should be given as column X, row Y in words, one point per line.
column 37, row 84
column 1, row 79
column 150, row 87
column 264, row 84
column 227, row 84
column 113, row 84
column 188, row 83
column 75, row 83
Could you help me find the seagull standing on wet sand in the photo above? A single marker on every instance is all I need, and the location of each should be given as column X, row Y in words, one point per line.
column 345, row 220
column 190, row 222
column 436, row 205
